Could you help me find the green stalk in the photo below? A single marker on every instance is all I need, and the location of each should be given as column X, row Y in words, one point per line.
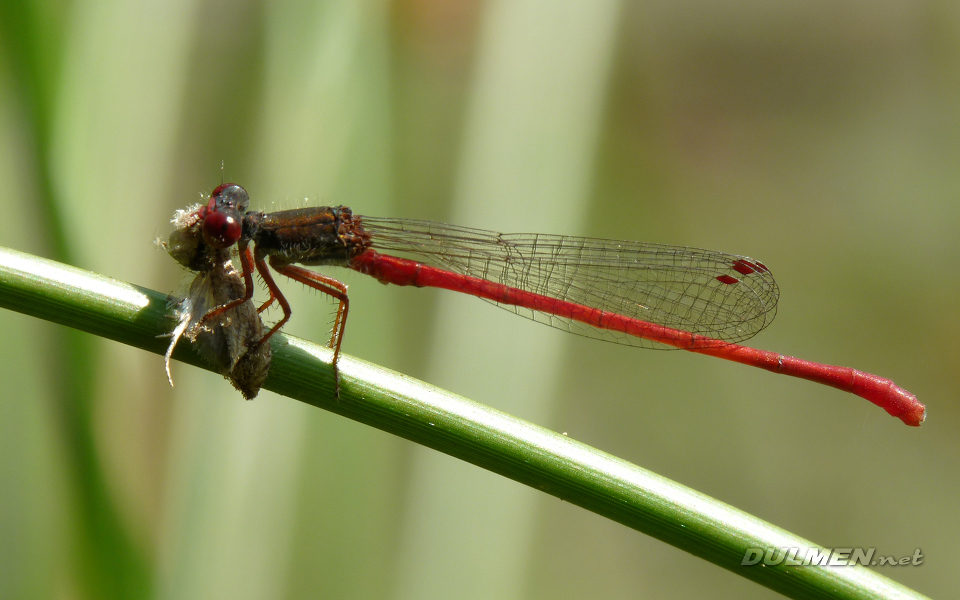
column 490, row 439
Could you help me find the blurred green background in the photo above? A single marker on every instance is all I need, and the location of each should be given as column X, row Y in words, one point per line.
column 820, row 137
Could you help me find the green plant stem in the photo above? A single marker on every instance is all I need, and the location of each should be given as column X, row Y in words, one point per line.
column 542, row 459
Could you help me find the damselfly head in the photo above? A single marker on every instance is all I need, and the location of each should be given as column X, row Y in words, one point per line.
column 223, row 217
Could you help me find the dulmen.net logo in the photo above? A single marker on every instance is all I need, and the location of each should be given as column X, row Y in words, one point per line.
column 825, row 557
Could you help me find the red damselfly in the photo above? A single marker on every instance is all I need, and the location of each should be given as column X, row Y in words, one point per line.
column 639, row 294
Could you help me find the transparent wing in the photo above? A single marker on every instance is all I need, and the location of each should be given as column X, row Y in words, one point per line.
column 714, row 294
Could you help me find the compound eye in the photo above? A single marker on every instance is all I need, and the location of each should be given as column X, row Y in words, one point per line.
column 229, row 197
column 221, row 229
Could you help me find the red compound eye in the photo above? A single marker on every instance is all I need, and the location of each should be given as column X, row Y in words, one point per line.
column 221, row 229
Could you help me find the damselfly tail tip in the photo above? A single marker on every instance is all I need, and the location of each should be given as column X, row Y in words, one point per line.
column 906, row 407
column 916, row 415
column 889, row 396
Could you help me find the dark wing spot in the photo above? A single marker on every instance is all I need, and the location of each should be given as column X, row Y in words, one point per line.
column 743, row 267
